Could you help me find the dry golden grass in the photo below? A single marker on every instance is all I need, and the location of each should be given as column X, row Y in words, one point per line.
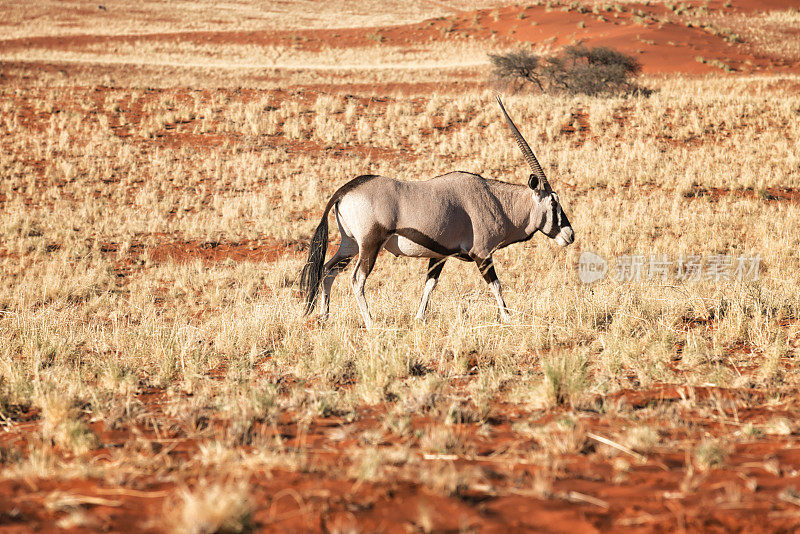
column 77, row 17
column 101, row 331
column 247, row 59
column 75, row 334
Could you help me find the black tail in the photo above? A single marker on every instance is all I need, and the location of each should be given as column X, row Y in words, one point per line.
column 312, row 272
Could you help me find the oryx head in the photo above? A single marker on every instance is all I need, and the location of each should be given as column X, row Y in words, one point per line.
column 547, row 208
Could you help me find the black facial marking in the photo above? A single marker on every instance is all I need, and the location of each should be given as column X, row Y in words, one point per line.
column 564, row 220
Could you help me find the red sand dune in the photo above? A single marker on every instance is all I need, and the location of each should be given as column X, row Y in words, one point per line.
column 642, row 30
column 660, row 47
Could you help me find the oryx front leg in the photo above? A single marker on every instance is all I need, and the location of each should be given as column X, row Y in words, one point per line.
column 366, row 261
column 487, row 271
column 435, row 266
column 347, row 250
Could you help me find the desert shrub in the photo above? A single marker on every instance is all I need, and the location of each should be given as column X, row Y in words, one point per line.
column 518, row 66
column 576, row 69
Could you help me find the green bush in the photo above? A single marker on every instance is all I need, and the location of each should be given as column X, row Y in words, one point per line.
column 576, row 69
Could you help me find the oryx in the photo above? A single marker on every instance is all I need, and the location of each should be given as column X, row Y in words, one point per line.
column 458, row 214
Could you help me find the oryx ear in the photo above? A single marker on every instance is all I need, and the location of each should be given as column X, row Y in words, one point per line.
column 533, row 182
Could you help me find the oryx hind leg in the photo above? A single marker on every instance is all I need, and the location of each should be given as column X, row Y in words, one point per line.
column 435, row 266
column 347, row 250
column 367, row 252
column 486, row 268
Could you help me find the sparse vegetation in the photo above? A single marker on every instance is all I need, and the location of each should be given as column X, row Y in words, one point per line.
column 156, row 373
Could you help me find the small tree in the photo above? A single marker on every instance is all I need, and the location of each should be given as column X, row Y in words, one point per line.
column 521, row 65
column 576, row 69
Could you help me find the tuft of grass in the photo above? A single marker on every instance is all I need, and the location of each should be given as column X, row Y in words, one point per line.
column 642, row 439
column 710, row 454
column 779, row 426
column 61, row 423
column 750, row 431
column 213, row 508
column 442, row 440
column 566, row 377
column 566, row 436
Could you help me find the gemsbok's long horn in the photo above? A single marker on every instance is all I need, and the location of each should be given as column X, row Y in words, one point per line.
column 523, row 145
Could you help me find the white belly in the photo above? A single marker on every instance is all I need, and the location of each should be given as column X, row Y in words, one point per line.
column 401, row 246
